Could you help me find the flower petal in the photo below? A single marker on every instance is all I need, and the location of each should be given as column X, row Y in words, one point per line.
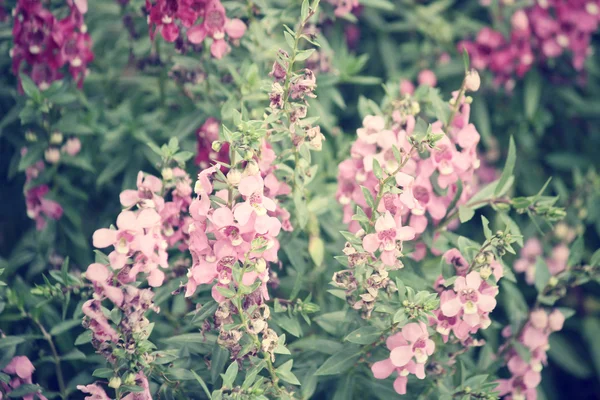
column 401, row 355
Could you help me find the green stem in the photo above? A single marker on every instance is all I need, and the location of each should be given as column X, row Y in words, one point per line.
column 461, row 93
column 257, row 344
column 384, row 182
column 59, row 374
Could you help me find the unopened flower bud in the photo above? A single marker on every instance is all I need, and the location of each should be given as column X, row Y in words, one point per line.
column 472, row 80
column 56, row 138
column 360, row 233
column 30, row 136
column 130, row 379
column 249, row 155
column 485, row 272
column 539, row 319
column 216, row 145
column 114, row 382
column 167, row 174
column 556, row 320
column 52, row 155
column 234, row 177
column 260, row 265
column 553, row 281
column 251, row 168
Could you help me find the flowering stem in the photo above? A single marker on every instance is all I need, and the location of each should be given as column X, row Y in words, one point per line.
column 256, row 340
column 383, row 183
column 287, row 83
column 230, row 187
column 461, row 93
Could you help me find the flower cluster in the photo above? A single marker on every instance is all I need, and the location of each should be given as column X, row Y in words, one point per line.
column 465, row 309
column 557, row 262
column 96, row 392
column 545, row 30
column 526, row 374
column 20, row 371
column 43, row 44
column 233, row 238
column 429, row 180
column 144, row 231
column 168, row 16
column 288, row 86
column 409, row 351
column 39, row 208
column 206, row 135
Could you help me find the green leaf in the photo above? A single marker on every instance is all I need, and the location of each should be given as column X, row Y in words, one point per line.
column 542, row 274
column 104, row 373
column 187, row 338
column 218, row 361
column 29, row 87
column 509, row 166
column 285, row 373
column 576, row 252
column 563, row 353
column 339, row 362
column 85, row 337
column 591, row 327
column 514, row 303
column 377, row 169
column 466, row 61
column 64, row 326
column 9, row 341
column 364, row 335
column 24, row 390
column 532, row 93
column 207, row 310
column 31, row 157
column 465, row 213
column 379, row 4
column 202, row 384
column 595, row 260
column 486, row 227
column 230, row 375
column 304, row 54
column 304, row 10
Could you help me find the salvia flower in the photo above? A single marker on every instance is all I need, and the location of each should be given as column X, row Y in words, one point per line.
column 20, row 372
column 409, row 351
column 199, row 19
column 526, row 374
column 43, row 44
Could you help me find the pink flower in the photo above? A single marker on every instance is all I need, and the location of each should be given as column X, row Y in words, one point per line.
column 413, row 342
column 145, row 195
column 409, row 351
column 455, row 258
column 21, row 366
column 95, row 392
column 427, row 78
column 471, row 299
column 72, row 147
column 256, row 204
column 388, row 232
column 528, row 256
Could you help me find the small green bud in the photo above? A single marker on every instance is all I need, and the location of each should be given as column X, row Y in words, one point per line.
column 114, row 382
